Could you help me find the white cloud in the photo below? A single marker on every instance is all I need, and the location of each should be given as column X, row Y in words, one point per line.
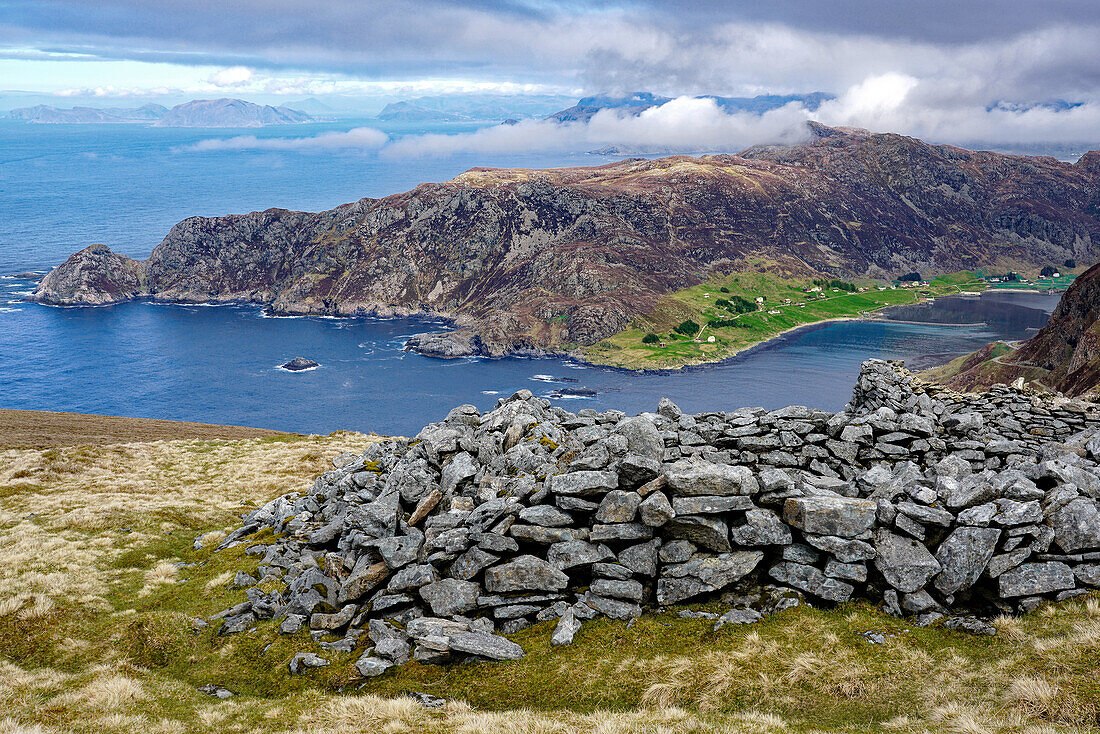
column 684, row 124
column 234, row 76
column 364, row 138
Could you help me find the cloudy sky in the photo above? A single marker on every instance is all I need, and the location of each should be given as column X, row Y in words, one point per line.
column 997, row 70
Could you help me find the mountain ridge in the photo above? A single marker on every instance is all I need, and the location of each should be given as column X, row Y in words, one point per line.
column 537, row 261
column 224, row 112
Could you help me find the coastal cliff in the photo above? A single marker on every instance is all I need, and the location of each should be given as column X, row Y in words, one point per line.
column 535, row 261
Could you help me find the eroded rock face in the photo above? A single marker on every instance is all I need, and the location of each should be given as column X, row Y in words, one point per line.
column 529, row 261
column 438, row 546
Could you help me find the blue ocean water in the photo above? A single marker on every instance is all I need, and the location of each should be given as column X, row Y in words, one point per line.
column 64, row 187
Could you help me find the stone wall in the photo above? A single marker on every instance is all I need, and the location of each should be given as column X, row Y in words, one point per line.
column 931, row 504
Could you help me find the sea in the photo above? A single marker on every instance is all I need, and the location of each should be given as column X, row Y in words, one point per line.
column 63, row 187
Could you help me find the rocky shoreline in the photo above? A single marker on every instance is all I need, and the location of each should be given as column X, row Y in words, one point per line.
column 944, row 507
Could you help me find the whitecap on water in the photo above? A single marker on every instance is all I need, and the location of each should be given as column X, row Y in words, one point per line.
column 490, row 392
column 280, row 368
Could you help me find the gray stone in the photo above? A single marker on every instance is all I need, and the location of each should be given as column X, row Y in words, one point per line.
column 612, row 608
column 710, row 505
column 545, row 515
column 762, row 527
column 803, row 554
column 676, row 551
column 1001, row 563
column 1088, row 574
column 485, row 645
column 370, row 666
column 737, row 617
column 292, row 623
column 848, row 571
column 693, row 477
column 618, row 506
column 566, row 629
column 668, row 409
column 963, row 555
column 1077, row 525
column 844, row 550
column 905, row 564
column 704, row 574
column 656, row 510
column 1035, row 578
column 824, row 515
column 811, row 580
column 641, row 558
column 704, row 531
column 336, row 620
column 448, row 597
column 395, row 649
column 303, row 660
column 400, row 550
column 413, row 577
column 1013, row 512
column 926, row 515
column 642, row 438
column 471, row 563
column 461, row 468
column 628, row 590
column 539, row 534
column 525, row 573
column 584, row 483
column 573, row 553
column 637, row 470
column 620, row 532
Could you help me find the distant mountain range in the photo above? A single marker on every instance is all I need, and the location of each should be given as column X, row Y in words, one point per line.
column 196, row 113
column 639, row 102
column 470, row 108
column 80, row 115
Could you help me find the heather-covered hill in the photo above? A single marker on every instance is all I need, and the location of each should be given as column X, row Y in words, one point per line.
column 548, row 260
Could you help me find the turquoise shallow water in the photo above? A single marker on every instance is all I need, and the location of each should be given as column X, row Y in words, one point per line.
column 63, row 187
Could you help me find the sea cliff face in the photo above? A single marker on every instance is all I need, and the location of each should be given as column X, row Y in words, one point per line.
column 531, row 261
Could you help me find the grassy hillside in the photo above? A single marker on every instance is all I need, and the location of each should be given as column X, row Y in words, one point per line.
column 98, row 632
column 786, row 305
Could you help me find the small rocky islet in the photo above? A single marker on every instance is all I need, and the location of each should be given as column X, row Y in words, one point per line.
column 299, row 364
column 944, row 507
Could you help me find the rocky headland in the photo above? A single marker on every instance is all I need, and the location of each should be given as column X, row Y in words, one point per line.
column 537, row 261
column 944, row 507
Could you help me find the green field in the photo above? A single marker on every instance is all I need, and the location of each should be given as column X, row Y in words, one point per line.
column 698, row 304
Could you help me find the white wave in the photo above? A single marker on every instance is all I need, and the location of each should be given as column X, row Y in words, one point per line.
column 490, row 392
column 544, row 378
column 5, row 309
column 294, row 372
column 559, row 396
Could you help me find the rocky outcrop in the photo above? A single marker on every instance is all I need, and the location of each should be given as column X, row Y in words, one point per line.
column 931, row 504
column 95, row 276
column 299, row 364
column 536, row 261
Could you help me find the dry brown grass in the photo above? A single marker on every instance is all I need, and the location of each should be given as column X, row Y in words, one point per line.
column 40, row 429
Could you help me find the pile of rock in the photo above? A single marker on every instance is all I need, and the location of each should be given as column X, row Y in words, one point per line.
column 432, row 548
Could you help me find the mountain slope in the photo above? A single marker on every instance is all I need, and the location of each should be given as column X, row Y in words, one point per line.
column 528, row 260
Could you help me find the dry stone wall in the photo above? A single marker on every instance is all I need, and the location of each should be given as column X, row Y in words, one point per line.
column 931, row 504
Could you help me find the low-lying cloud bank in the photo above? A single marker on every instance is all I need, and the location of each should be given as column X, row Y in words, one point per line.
column 889, row 102
column 365, row 138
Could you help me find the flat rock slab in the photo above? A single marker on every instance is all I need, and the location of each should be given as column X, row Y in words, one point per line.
column 825, row 515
